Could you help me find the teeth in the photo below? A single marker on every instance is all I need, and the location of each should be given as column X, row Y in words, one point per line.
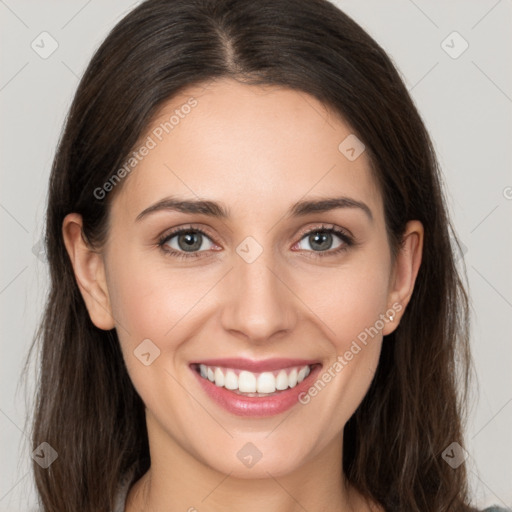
column 266, row 383
column 247, row 382
column 231, row 380
column 219, row 377
column 282, row 380
column 292, row 378
column 251, row 383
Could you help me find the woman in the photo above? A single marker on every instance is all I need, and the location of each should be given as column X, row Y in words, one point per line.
column 254, row 300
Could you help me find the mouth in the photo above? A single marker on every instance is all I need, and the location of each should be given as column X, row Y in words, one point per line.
column 248, row 392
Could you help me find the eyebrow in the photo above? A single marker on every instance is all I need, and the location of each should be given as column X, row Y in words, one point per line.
column 218, row 210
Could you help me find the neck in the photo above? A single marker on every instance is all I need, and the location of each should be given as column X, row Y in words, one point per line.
column 178, row 481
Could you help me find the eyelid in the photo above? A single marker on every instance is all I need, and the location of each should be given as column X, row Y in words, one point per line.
column 187, row 227
column 344, row 234
column 325, row 226
column 169, row 235
column 304, row 231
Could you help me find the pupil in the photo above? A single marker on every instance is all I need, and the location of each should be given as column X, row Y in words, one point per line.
column 190, row 244
column 317, row 236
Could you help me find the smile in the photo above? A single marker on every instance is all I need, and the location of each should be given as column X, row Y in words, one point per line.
column 254, row 384
column 254, row 393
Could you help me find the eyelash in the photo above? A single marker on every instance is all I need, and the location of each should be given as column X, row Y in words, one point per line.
column 348, row 241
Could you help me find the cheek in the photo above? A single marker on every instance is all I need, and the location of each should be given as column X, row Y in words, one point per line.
column 148, row 299
column 146, row 305
column 350, row 300
column 353, row 314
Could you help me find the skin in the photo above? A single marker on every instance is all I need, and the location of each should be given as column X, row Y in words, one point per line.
column 257, row 150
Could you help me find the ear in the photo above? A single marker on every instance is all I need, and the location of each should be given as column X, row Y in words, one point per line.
column 404, row 273
column 88, row 266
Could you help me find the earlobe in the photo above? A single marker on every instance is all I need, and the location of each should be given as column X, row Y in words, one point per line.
column 406, row 269
column 89, row 269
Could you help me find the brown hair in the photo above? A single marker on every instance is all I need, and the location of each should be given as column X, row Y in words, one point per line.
column 87, row 407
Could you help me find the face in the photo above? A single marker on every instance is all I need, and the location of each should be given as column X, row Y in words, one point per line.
column 277, row 292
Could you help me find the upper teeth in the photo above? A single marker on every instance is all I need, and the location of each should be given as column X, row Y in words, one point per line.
column 249, row 382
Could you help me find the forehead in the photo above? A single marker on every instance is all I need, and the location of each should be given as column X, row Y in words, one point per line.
column 254, row 148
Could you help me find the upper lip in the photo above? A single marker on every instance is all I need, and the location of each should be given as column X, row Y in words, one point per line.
column 265, row 365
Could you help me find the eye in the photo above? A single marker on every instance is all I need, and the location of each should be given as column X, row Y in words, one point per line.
column 320, row 241
column 189, row 241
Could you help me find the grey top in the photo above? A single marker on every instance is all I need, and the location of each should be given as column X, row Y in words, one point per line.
column 126, row 481
column 122, row 491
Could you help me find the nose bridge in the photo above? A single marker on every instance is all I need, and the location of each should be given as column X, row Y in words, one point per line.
column 259, row 303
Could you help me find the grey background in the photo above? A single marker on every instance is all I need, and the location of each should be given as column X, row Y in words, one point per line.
column 466, row 103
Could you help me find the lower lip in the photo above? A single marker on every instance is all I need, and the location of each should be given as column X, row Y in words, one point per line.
column 256, row 406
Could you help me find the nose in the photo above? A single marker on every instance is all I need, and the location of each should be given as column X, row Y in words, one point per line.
column 260, row 304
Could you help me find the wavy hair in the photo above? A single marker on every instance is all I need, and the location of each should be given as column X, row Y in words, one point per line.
column 86, row 406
